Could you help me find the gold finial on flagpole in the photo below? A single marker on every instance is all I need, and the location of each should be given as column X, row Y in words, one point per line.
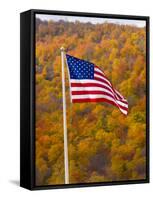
column 62, row 48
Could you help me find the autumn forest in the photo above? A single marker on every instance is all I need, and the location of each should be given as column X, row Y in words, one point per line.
column 103, row 144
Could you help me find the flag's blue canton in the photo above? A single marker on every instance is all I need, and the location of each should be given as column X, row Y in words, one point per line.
column 80, row 69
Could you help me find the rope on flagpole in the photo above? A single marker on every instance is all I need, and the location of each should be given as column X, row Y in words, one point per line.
column 66, row 166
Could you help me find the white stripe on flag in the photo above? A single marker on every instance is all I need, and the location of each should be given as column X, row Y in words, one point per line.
column 90, row 81
column 93, row 96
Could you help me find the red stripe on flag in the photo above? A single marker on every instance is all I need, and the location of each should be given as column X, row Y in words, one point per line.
column 100, row 74
column 86, row 85
column 102, row 80
column 85, row 100
column 92, row 92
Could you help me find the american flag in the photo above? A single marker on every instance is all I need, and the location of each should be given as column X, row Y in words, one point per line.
column 88, row 83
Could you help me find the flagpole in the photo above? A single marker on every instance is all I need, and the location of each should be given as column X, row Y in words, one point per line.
column 66, row 166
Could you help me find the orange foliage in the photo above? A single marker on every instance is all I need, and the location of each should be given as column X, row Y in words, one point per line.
column 104, row 145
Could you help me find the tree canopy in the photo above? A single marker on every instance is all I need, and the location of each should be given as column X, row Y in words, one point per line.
column 104, row 145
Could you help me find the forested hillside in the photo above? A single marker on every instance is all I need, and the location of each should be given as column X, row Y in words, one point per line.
column 104, row 144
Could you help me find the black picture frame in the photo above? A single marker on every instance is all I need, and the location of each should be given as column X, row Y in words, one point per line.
column 27, row 98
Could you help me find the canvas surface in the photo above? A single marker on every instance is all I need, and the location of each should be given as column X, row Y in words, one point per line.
column 103, row 144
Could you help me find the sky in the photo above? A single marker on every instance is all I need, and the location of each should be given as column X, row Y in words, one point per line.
column 94, row 20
